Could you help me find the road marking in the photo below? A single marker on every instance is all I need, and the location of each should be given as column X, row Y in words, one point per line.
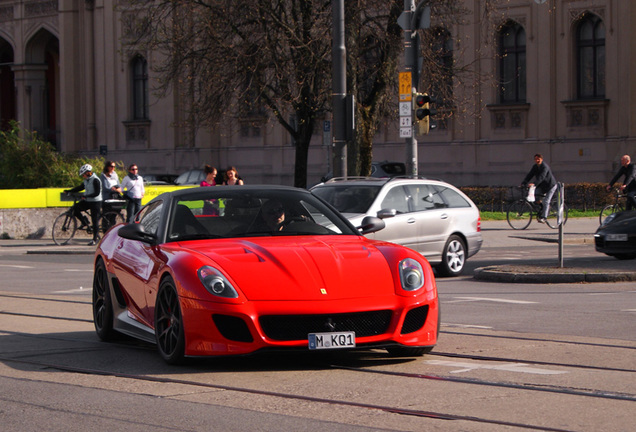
column 628, row 310
column 72, row 291
column 78, row 270
column 508, row 367
column 497, row 300
column 16, row 266
column 466, row 326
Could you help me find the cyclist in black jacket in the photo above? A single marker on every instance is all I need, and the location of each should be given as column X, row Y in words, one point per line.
column 629, row 184
column 544, row 181
column 91, row 199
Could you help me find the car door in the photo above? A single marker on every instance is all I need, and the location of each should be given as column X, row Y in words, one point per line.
column 400, row 228
column 431, row 217
column 135, row 265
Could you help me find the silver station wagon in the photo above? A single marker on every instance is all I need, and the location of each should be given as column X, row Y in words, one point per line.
column 429, row 216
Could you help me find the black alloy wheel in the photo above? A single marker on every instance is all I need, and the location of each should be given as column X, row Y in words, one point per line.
column 169, row 323
column 102, row 305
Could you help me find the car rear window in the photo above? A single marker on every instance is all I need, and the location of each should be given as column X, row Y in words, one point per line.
column 452, row 198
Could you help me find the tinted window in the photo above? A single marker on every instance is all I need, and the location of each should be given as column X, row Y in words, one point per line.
column 425, row 197
column 247, row 212
column 396, row 199
column 452, row 198
column 149, row 217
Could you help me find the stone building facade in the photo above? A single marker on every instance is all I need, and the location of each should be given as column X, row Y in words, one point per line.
column 554, row 78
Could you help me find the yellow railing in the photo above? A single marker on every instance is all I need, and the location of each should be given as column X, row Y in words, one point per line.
column 50, row 197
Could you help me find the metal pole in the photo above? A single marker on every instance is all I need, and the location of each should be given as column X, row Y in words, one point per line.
column 560, row 221
column 339, row 85
column 410, row 65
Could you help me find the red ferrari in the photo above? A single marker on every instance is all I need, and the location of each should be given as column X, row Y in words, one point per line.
column 217, row 271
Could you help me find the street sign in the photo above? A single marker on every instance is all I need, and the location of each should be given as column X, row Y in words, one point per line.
column 405, row 86
column 406, row 121
column 405, row 109
column 406, row 132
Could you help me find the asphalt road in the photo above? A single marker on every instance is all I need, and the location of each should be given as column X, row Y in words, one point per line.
column 510, row 357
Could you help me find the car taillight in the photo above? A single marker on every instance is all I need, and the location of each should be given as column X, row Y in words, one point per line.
column 479, row 224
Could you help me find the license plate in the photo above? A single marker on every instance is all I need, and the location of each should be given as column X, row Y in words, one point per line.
column 617, row 237
column 332, row 340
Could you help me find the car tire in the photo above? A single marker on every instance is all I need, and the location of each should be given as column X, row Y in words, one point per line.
column 102, row 304
column 169, row 332
column 453, row 257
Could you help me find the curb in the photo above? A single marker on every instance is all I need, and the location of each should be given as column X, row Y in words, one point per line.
column 529, row 274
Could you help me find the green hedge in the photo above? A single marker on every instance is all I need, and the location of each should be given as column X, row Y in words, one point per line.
column 581, row 196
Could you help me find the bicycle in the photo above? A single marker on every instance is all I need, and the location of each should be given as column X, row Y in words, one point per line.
column 520, row 212
column 66, row 226
column 618, row 206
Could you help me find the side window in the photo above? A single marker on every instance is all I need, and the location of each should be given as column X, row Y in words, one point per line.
column 396, row 199
column 425, row 197
column 149, row 217
column 139, row 77
column 512, row 63
column 590, row 65
column 452, row 198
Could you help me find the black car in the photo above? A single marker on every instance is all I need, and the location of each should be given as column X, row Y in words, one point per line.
column 191, row 177
column 159, row 179
column 617, row 236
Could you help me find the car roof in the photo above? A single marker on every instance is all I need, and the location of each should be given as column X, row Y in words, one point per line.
column 368, row 181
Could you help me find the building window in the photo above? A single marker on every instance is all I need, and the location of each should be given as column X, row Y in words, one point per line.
column 512, row 63
column 590, row 65
column 139, row 67
column 442, row 47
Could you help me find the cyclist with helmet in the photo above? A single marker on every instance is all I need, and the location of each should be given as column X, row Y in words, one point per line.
column 91, row 199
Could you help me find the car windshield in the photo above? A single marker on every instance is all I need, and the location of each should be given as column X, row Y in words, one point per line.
column 348, row 198
column 229, row 212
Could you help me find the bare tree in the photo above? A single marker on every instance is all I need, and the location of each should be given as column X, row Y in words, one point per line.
column 277, row 54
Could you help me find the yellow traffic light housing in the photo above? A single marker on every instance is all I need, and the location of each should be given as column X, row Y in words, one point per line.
column 423, row 112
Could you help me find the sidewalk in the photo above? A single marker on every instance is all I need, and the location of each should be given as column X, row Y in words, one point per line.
column 594, row 267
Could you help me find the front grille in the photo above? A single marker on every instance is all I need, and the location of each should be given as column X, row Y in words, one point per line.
column 415, row 319
column 297, row 327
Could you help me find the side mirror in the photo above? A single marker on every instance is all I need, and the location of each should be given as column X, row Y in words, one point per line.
column 371, row 224
column 135, row 231
column 387, row 213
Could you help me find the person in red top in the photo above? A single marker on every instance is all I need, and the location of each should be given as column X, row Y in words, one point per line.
column 210, row 176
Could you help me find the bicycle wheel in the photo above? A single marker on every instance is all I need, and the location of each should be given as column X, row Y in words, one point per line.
column 109, row 220
column 519, row 214
column 551, row 221
column 64, row 228
column 608, row 210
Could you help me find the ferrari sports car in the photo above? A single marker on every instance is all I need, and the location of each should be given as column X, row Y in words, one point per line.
column 225, row 270
column 617, row 235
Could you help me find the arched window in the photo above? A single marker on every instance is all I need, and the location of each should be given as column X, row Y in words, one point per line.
column 139, row 68
column 512, row 63
column 590, row 65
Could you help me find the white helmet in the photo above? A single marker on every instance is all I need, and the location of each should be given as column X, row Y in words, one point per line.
column 85, row 168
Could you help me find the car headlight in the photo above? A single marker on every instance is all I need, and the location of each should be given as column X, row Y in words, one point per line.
column 214, row 281
column 411, row 274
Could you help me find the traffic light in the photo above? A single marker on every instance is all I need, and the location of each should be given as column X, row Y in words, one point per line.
column 423, row 112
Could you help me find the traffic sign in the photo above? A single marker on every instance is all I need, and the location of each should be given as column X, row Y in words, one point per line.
column 405, row 87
